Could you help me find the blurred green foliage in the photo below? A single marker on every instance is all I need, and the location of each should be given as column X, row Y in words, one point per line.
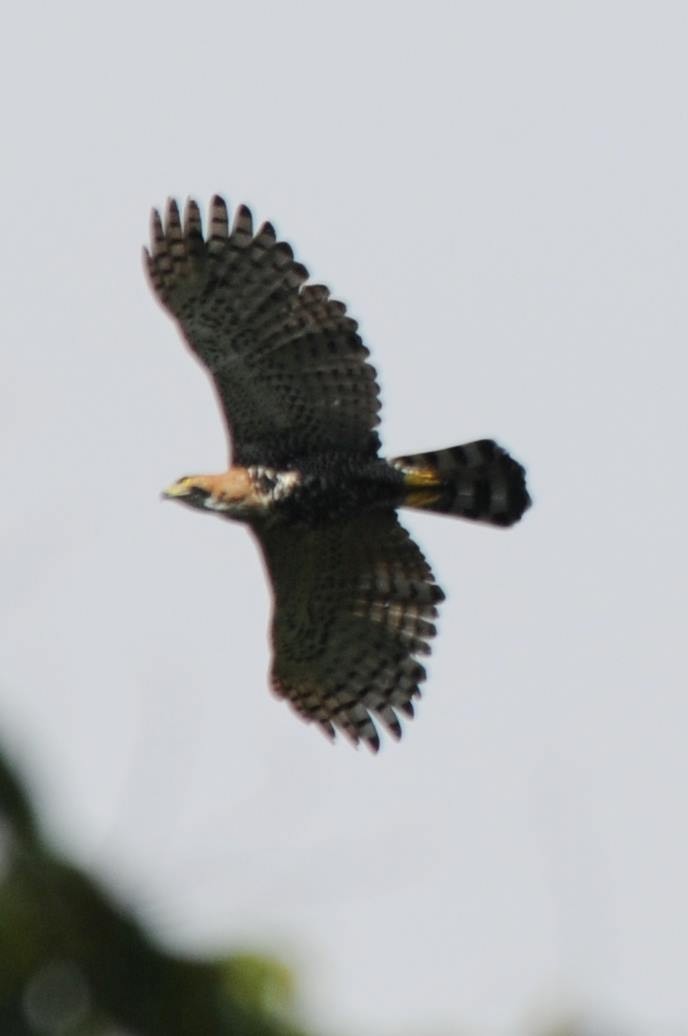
column 73, row 963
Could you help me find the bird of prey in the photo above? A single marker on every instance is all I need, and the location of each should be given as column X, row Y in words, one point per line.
column 354, row 598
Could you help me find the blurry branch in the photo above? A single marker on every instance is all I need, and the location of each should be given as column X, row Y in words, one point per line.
column 73, row 963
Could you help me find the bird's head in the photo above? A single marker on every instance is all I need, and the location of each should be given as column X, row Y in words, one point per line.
column 231, row 493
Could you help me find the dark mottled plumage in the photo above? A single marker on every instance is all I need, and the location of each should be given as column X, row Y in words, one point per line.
column 355, row 600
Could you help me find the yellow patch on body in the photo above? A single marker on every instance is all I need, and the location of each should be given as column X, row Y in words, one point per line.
column 421, row 498
column 424, row 485
column 421, row 478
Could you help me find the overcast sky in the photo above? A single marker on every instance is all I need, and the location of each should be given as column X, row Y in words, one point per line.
column 498, row 193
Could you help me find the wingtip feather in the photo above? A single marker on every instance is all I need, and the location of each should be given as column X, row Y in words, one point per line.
column 193, row 223
column 242, row 228
column 218, row 223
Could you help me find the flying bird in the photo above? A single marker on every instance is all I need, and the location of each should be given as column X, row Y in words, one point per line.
column 354, row 598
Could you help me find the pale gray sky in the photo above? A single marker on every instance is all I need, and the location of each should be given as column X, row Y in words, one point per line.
column 498, row 192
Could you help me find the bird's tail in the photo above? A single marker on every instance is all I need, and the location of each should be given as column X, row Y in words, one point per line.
column 478, row 481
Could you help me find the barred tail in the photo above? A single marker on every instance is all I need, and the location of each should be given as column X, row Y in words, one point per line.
column 479, row 481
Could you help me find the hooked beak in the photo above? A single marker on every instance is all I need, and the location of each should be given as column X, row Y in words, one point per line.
column 176, row 490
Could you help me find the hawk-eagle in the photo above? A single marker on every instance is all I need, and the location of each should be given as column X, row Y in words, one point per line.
column 354, row 598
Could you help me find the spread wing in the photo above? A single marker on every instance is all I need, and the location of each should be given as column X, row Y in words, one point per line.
column 287, row 362
column 353, row 608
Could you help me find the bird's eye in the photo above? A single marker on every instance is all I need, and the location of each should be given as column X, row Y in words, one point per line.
column 265, row 483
